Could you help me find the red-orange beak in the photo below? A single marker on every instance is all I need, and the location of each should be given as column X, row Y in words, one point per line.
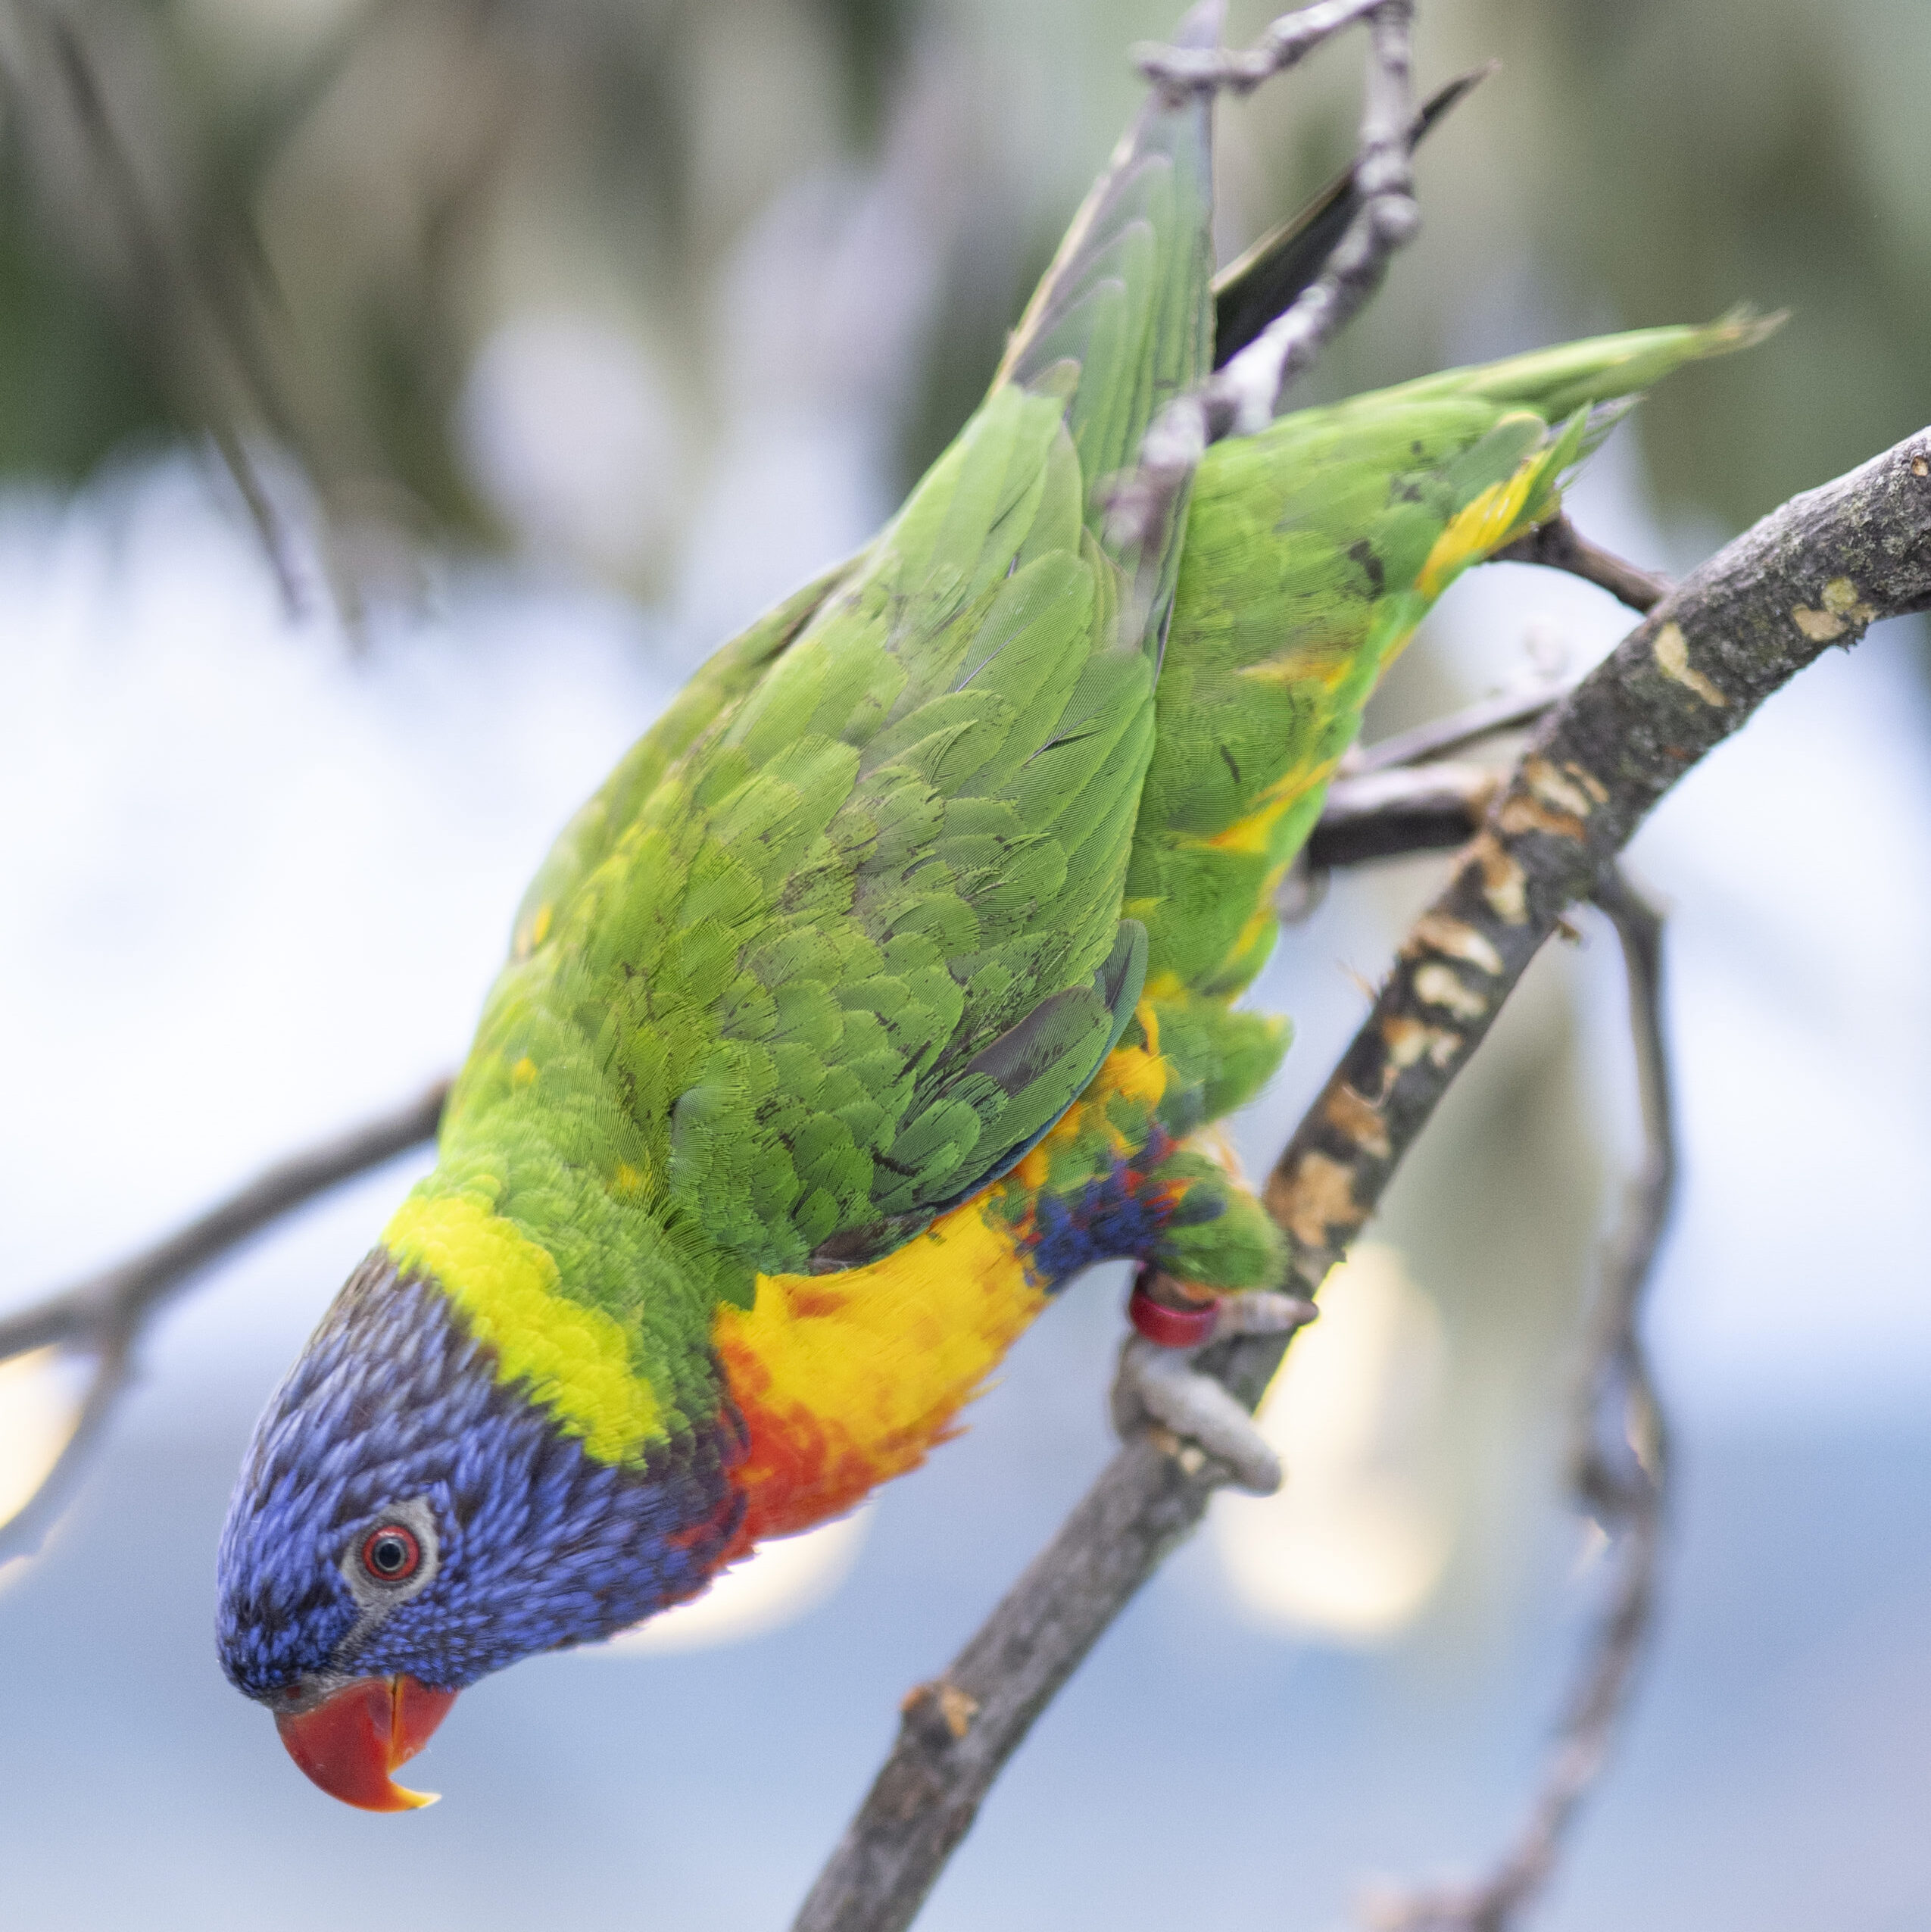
column 349, row 1742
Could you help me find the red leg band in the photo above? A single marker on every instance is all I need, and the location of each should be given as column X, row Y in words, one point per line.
column 1171, row 1327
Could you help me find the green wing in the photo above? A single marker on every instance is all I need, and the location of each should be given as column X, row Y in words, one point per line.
column 708, row 698
column 1312, row 551
column 841, row 939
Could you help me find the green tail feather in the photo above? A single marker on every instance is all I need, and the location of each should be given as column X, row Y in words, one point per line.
column 1312, row 551
column 1600, row 369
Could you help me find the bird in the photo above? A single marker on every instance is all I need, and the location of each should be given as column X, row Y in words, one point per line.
column 887, row 983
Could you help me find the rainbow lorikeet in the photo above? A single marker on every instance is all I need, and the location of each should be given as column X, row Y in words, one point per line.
column 887, row 984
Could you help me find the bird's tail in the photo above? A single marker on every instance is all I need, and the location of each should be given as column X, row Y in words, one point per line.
column 1313, row 550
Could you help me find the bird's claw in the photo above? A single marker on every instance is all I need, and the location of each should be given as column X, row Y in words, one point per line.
column 1161, row 1384
column 1261, row 1312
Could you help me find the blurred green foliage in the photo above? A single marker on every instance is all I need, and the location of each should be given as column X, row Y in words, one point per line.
column 73, row 386
column 326, row 209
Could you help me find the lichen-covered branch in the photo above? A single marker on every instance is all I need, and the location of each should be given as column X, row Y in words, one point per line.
column 104, row 1318
column 1815, row 573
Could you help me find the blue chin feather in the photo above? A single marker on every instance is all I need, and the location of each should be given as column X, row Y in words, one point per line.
column 536, row 1545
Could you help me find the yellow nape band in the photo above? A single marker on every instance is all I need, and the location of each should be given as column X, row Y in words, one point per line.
column 575, row 1360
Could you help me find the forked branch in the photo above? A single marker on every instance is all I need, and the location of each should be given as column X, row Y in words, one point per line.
column 1561, row 546
column 1240, row 398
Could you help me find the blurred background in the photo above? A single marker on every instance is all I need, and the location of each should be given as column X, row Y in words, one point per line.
column 397, row 398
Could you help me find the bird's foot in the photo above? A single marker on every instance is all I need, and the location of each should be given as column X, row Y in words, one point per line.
column 1158, row 1382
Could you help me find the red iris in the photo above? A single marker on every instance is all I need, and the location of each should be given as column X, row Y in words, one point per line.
column 391, row 1554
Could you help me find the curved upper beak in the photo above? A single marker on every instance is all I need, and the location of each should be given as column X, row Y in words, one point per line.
column 351, row 1742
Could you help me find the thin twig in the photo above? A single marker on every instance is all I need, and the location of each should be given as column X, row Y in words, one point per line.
column 1181, row 72
column 1409, row 812
column 1560, row 546
column 1621, row 1471
column 188, row 309
column 1240, row 398
column 106, row 1316
column 1815, row 573
column 1557, row 545
column 1509, row 710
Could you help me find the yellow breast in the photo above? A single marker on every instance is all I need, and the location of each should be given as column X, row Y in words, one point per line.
column 846, row 1380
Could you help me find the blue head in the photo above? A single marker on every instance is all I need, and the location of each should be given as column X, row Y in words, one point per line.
column 404, row 1524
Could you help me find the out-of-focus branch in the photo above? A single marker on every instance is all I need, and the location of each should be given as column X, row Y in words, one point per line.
column 105, row 1318
column 189, row 315
column 1509, row 710
column 1387, row 814
column 1559, row 545
column 1240, row 397
column 1178, row 72
column 1621, row 1469
column 1390, row 800
column 1817, row 571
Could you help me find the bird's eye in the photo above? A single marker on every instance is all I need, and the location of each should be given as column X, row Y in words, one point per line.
column 391, row 1554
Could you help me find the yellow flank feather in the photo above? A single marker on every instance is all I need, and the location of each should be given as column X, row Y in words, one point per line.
column 1253, row 835
column 1265, row 917
column 1136, row 1073
column 1483, row 524
column 844, row 1380
column 575, row 1360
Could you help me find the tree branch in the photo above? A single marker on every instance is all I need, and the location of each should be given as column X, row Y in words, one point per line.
column 106, row 1315
column 1178, row 72
column 1381, row 807
column 1818, row 571
column 1621, row 1474
column 1508, row 711
column 178, row 315
column 1387, row 814
column 1559, row 545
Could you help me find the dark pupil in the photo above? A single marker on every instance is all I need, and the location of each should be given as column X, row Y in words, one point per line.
column 388, row 1556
